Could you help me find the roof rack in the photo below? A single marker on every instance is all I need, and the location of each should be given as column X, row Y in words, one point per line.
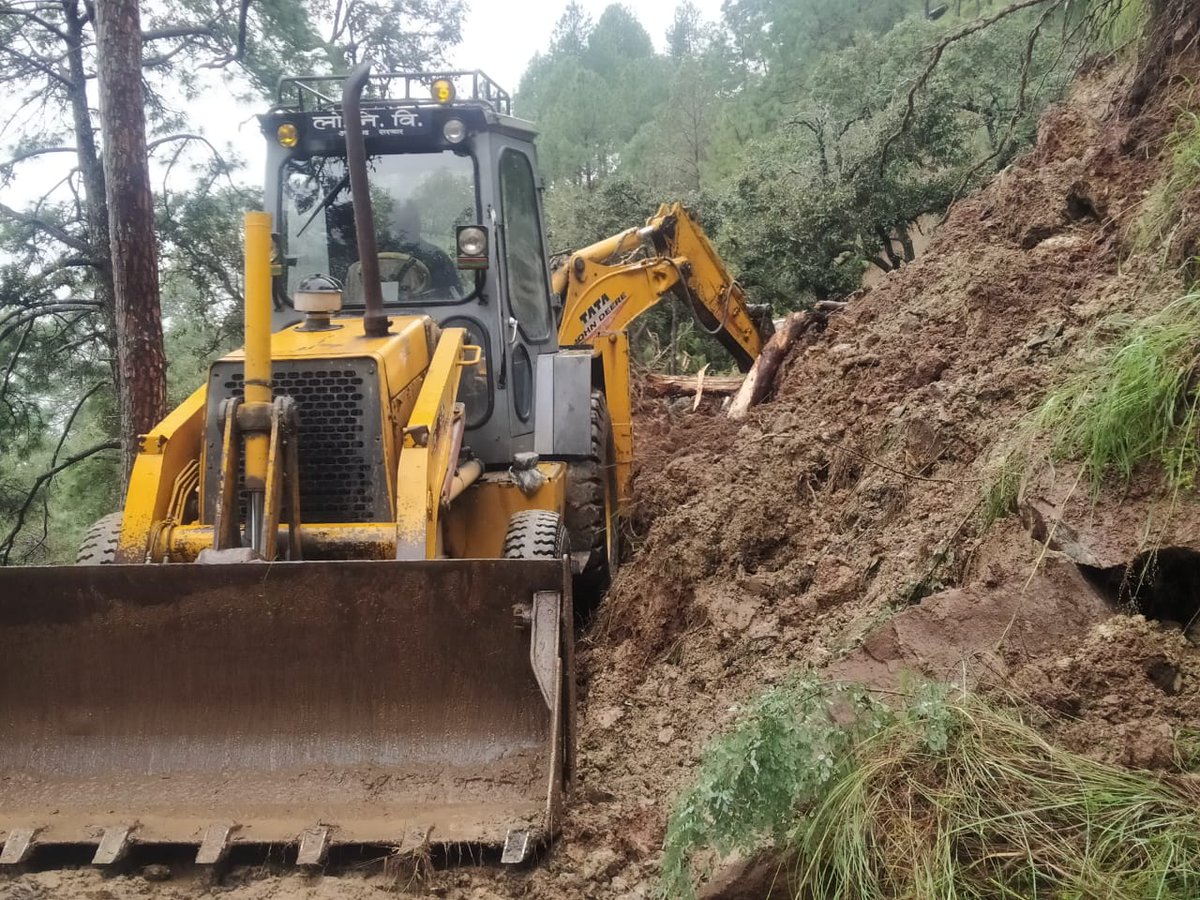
column 310, row 93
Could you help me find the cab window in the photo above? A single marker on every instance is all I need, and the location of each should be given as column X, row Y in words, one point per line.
column 525, row 265
column 418, row 200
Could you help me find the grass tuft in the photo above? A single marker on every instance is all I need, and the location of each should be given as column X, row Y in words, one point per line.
column 1161, row 209
column 1135, row 402
column 941, row 797
column 783, row 755
column 1117, row 24
column 1002, row 486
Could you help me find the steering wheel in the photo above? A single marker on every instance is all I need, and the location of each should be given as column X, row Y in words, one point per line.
column 411, row 275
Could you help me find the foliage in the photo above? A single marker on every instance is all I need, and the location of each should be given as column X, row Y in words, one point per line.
column 839, row 187
column 942, row 796
column 1002, row 487
column 789, row 747
column 1133, row 402
column 1160, row 212
column 1115, row 24
column 792, row 118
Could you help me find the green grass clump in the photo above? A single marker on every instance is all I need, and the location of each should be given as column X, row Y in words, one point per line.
column 1135, row 402
column 1116, row 24
column 789, row 746
column 941, row 797
column 1002, row 487
column 1160, row 211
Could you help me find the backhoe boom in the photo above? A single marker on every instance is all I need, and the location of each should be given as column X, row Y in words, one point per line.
column 606, row 286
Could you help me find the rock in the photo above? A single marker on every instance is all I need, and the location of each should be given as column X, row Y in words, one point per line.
column 600, row 865
column 157, row 872
column 1045, row 526
column 927, row 371
column 1164, row 674
column 666, row 735
column 1047, row 334
column 608, row 716
column 1148, row 745
column 1036, row 233
column 1192, row 631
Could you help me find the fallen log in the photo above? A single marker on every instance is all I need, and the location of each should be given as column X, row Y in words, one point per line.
column 761, row 377
column 660, row 385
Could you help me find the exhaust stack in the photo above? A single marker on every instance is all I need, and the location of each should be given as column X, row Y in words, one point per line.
column 375, row 323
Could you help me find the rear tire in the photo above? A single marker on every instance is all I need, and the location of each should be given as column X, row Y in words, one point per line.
column 591, row 507
column 99, row 547
column 535, row 534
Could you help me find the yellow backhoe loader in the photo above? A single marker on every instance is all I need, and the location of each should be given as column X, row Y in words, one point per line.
column 337, row 606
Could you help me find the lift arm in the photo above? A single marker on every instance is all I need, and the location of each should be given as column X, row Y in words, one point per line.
column 603, row 293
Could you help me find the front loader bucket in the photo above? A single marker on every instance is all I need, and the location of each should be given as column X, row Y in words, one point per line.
column 308, row 704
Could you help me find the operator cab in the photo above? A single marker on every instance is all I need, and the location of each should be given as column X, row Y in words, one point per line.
column 456, row 206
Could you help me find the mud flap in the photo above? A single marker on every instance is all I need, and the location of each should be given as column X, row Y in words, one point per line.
column 389, row 703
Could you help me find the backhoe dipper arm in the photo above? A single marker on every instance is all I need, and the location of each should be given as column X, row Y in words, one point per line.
column 602, row 294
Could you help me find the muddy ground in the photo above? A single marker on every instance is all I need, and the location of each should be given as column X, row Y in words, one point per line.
column 839, row 528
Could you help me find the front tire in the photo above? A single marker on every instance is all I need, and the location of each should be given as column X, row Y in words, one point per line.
column 536, row 534
column 591, row 506
column 99, row 546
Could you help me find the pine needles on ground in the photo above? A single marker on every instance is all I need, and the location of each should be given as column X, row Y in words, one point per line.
column 943, row 797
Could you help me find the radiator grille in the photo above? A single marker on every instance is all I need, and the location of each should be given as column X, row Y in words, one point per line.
column 340, row 466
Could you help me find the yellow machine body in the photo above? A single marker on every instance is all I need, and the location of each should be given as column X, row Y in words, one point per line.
column 388, row 680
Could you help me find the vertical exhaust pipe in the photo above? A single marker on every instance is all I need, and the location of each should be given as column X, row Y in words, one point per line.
column 375, row 324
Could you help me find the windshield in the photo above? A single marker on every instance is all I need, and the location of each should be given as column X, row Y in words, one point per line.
column 418, row 199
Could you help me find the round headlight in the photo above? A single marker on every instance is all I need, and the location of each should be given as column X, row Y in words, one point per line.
column 454, row 131
column 472, row 242
column 287, row 135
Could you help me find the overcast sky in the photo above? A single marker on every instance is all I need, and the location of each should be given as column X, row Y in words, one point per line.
column 501, row 36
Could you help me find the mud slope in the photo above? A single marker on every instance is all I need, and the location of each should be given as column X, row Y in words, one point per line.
column 838, row 528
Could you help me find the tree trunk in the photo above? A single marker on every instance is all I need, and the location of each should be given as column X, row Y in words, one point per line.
column 885, row 244
column 141, row 362
column 902, row 234
column 761, row 377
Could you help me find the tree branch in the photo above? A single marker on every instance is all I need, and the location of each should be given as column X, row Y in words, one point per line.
column 36, row 19
column 39, row 65
column 1018, row 109
column 55, row 231
column 33, row 154
column 936, row 56
column 42, row 480
column 12, row 363
column 177, row 31
column 15, row 320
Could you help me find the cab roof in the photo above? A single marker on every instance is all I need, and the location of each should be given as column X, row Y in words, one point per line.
column 399, row 113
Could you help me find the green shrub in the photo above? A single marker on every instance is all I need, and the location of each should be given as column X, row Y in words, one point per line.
column 941, row 797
